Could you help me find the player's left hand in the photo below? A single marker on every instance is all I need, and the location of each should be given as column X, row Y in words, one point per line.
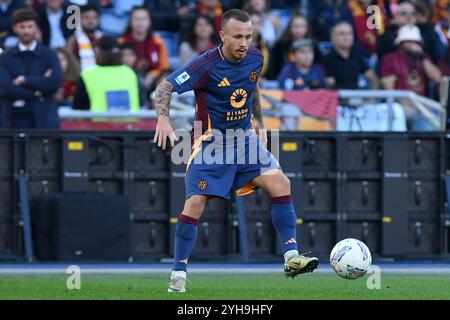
column 163, row 131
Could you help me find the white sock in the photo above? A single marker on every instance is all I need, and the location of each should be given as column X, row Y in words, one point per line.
column 289, row 254
column 181, row 274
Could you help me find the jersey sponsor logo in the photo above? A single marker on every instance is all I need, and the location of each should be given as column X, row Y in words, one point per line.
column 224, row 83
column 202, row 185
column 237, row 115
column 182, row 78
column 238, row 98
column 253, row 76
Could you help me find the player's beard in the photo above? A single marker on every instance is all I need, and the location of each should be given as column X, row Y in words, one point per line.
column 240, row 54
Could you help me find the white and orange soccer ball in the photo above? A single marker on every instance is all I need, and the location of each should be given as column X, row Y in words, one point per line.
column 350, row 258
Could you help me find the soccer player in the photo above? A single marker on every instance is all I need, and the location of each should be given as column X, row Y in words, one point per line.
column 225, row 82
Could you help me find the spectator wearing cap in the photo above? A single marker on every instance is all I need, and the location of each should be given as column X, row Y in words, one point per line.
column 53, row 17
column 406, row 13
column 409, row 68
column 343, row 64
column 302, row 73
column 110, row 85
column 81, row 44
column 152, row 57
column 7, row 8
column 30, row 75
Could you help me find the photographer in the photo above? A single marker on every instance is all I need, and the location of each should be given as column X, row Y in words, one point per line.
column 409, row 68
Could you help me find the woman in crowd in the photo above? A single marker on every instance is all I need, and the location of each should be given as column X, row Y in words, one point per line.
column 152, row 58
column 200, row 37
column 297, row 28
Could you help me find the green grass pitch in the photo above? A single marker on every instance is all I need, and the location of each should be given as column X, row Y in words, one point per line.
column 211, row 286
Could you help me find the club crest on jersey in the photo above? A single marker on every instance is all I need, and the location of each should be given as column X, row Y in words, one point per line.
column 253, row 76
column 182, row 78
column 202, row 185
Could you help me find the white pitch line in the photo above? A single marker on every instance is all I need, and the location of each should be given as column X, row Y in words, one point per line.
column 112, row 270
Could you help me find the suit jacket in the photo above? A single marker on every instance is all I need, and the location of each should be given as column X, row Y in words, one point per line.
column 33, row 65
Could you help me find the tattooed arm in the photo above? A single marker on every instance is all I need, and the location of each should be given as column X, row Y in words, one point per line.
column 256, row 107
column 257, row 114
column 164, row 129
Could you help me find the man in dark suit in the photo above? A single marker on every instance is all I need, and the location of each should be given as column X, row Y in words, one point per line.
column 53, row 18
column 30, row 75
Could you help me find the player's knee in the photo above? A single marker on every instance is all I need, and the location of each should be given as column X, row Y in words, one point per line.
column 196, row 205
column 281, row 185
column 285, row 184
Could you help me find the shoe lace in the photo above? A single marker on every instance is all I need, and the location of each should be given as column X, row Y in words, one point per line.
column 304, row 254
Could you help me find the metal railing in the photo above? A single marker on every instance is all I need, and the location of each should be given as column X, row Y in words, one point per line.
column 182, row 113
column 422, row 104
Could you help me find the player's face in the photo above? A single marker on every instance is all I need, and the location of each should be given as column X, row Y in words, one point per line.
column 236, row 38
column 26, row 31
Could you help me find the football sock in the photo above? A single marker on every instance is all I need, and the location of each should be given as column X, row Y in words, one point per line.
column 289, row 254
column 285, row 222
column 185, row 236
column 181, row 274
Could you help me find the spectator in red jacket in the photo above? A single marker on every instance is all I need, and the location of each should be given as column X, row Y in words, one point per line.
column 409, row 67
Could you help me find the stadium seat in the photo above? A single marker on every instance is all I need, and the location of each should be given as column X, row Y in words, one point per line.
column 112, row 23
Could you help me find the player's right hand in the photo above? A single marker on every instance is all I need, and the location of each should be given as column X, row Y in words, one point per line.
column 164, row 130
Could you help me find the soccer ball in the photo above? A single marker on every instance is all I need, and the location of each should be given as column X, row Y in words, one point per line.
column 350, row 258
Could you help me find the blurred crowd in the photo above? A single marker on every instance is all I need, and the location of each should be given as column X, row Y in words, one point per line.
column 125, row 47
